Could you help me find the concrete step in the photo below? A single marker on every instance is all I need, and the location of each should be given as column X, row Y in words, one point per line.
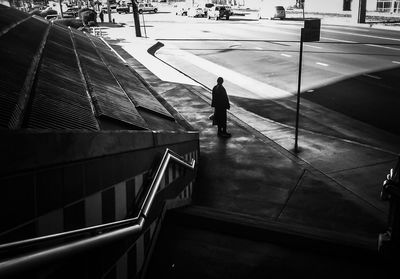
column 252, row 227
column 198, row 242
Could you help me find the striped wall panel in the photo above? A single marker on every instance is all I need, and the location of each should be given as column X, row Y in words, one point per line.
column 111, row 204
column 133, row 263
column 108, row 205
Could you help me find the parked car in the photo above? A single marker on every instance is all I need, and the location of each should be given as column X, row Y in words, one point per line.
column 218, row 12
column 113, row 7
column 207, row 7
column 181, row 9
column 273, row 12
column 144, row 7
column 195, row 12
column 49, row 13
column 123, row 9
column 71, row 12
column 229, row 8
column 51, row 17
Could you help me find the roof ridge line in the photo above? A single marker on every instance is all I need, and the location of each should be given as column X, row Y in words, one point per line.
column 133, row 102
column 19, row 111
column 8, row 28
column 83, row 78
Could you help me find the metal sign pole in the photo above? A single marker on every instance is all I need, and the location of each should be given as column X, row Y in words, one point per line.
column 296, row 147
column 310, row 33
column 144, row 26
column 136, row 19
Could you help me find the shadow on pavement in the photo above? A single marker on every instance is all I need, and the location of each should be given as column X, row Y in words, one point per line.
column 365, row 98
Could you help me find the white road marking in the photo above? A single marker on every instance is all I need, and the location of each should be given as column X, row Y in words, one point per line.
column 322, row 64
column 317, row 47
column 386, row 47
column 286, row 55
column 396, row 62
column 258, row 48
column 338, row 40
column 362, row 35
column 353, row 42
column 372, row 76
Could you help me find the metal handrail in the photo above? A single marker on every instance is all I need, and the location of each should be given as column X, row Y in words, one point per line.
column 44, row 256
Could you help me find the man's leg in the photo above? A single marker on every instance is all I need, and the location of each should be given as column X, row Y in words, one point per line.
column 224, row 132
column 220, row 130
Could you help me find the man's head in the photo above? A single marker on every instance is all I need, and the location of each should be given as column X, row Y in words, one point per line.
column 220, row 80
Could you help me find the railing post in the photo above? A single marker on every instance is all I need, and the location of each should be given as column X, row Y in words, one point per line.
column 389, row 241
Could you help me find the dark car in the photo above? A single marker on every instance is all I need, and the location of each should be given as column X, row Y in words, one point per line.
column 71, row 12
column 218, row 12
column 123, row 9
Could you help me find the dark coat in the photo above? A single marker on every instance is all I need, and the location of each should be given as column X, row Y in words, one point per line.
column 220, row 102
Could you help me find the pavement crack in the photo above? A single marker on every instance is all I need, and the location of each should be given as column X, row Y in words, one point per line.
column 363, row 166
column 291, row 191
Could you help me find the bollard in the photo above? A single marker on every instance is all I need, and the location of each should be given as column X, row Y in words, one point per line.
column 388, row 242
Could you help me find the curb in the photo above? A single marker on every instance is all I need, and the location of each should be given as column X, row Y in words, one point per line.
column 254, row 228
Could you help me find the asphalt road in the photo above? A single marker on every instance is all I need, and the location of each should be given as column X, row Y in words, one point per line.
column 351, row 70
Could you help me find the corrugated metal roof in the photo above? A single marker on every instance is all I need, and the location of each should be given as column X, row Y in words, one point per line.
column 108, row 98
column 16, row 59
column 135, row 89
column 60, row 35
column 10, row 16
column 138, row 92
column 75, row 82
column 60, row 100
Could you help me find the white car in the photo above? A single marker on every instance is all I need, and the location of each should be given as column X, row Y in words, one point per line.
column 181, row 9
column 273, row 12
column 144, row 7
column 195, row 12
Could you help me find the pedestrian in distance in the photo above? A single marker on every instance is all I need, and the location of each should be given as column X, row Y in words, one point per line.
column 101, row 15
column 220, row 103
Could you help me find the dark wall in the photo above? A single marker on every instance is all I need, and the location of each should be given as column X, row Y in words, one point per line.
column 78, row 190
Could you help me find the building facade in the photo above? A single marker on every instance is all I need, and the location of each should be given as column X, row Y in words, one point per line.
column 386, row 6
column 333, row 6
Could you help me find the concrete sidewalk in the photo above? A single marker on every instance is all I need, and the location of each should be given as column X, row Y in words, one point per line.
column 333, row 186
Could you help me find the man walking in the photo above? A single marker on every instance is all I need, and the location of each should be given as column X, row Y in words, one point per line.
column 220, row 102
